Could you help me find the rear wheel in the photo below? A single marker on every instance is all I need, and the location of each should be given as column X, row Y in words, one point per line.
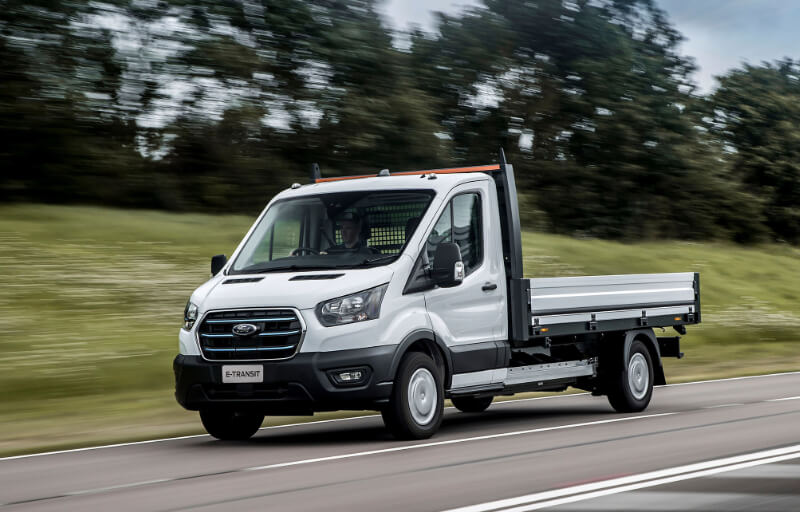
column 471, row 403
column 230, row 425
column 417, row 403
column 630, row 390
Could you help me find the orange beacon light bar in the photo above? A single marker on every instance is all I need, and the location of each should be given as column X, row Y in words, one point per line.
column 452, row 170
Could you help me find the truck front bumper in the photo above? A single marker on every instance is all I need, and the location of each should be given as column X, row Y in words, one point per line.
column 300, row 385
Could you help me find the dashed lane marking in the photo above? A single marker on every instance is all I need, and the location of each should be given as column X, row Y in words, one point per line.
column 782, row 399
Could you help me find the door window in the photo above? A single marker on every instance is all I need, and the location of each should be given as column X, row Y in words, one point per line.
column 460, row 222
column 441, row 232
column 467, row 229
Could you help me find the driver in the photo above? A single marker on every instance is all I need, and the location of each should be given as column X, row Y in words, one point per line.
column 351, row 224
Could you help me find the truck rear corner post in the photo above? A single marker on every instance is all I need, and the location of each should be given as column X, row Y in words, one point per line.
column 394, row 291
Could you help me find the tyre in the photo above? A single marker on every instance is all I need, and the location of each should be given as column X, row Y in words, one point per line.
column 630, row 390
column 416, row 406
column 230, row 425
column 471, row 403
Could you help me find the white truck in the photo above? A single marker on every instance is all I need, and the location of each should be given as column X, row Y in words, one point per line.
column 395, row 291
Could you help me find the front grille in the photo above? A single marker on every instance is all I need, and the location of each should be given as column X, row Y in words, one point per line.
column 277, row 335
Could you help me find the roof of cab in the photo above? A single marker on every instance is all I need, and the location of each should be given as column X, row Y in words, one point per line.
column 436, row 181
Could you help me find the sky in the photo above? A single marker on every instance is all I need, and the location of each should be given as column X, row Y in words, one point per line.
column 720, row 34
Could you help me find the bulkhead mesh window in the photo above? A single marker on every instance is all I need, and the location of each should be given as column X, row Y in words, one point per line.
column 387, row 226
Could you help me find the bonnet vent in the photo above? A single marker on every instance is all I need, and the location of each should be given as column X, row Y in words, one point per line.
column 315, row 277
column 243, row 280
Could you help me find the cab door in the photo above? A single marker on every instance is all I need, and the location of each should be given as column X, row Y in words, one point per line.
column 472, row 316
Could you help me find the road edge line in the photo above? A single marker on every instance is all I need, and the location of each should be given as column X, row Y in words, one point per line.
column 519, row 503
column 652, row 483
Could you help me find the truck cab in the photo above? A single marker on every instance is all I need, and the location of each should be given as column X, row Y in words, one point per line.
column 390, row 292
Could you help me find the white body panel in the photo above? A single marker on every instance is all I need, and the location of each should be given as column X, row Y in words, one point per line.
column 466, row 313
column 278, row 290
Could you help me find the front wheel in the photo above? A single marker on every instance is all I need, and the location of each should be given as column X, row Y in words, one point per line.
column 630, row 390
column 230, row 425
column 416, row 406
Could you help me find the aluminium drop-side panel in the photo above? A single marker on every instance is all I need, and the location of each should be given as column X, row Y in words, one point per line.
column 565, row 295
column 603, row 316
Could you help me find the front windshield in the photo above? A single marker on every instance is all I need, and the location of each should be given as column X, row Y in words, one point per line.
column 342, row 230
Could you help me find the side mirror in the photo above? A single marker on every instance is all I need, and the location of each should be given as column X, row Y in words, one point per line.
column 217, row 262
column 448, row 269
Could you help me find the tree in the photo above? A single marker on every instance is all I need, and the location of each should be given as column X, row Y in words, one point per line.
column 62, row 134
column 188, row 104
column 371, row 111
column 594, row 104
column 755, row 111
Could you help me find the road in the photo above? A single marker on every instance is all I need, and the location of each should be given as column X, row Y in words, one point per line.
column 729, row 444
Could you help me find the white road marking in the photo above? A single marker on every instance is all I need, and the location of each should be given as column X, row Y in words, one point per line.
column 653, row 483
column 782, row 399
column 727, row 379
column 773, row 471
column 721, row 405
column 89, row 448
column 300, row 424
column 373, row 452
column 178, row 438
column 161, row 440
column 455, row 441
column 650, row 500
column 118, row 487
column 629, row 483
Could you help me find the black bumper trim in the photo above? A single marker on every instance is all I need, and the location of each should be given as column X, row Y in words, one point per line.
column 299, row 385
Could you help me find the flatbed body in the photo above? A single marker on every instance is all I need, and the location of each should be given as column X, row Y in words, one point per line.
column 563, row 306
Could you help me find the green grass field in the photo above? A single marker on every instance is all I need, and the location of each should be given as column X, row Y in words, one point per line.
column 92, row 300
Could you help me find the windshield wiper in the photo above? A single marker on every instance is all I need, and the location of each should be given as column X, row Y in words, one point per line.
column 257, row 269
column 274, row 269
column 261, row 269
column 368, row 261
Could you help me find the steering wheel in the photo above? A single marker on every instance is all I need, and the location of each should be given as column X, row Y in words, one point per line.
column 298, row 251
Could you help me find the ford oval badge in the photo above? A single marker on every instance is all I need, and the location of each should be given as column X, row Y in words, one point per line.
column 244, row 329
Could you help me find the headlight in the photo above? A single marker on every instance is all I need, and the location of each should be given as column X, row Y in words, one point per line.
column 357, row 307
column 189, row 316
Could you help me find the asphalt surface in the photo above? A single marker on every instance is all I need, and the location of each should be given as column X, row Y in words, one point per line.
column 767, row 488
column 560, row 445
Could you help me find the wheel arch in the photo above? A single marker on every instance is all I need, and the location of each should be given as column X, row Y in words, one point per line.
column 648, row 338
column 425, row 341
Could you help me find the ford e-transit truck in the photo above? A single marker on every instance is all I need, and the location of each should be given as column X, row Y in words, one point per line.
column 395, row 291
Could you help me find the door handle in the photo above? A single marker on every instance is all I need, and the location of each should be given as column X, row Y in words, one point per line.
column 487, row 287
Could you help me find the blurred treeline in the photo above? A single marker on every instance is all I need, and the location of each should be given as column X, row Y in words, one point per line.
column 215, row 105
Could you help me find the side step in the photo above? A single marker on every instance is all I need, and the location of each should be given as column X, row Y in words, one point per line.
column 550, row 371
column 522, row 378
column 477, row 390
